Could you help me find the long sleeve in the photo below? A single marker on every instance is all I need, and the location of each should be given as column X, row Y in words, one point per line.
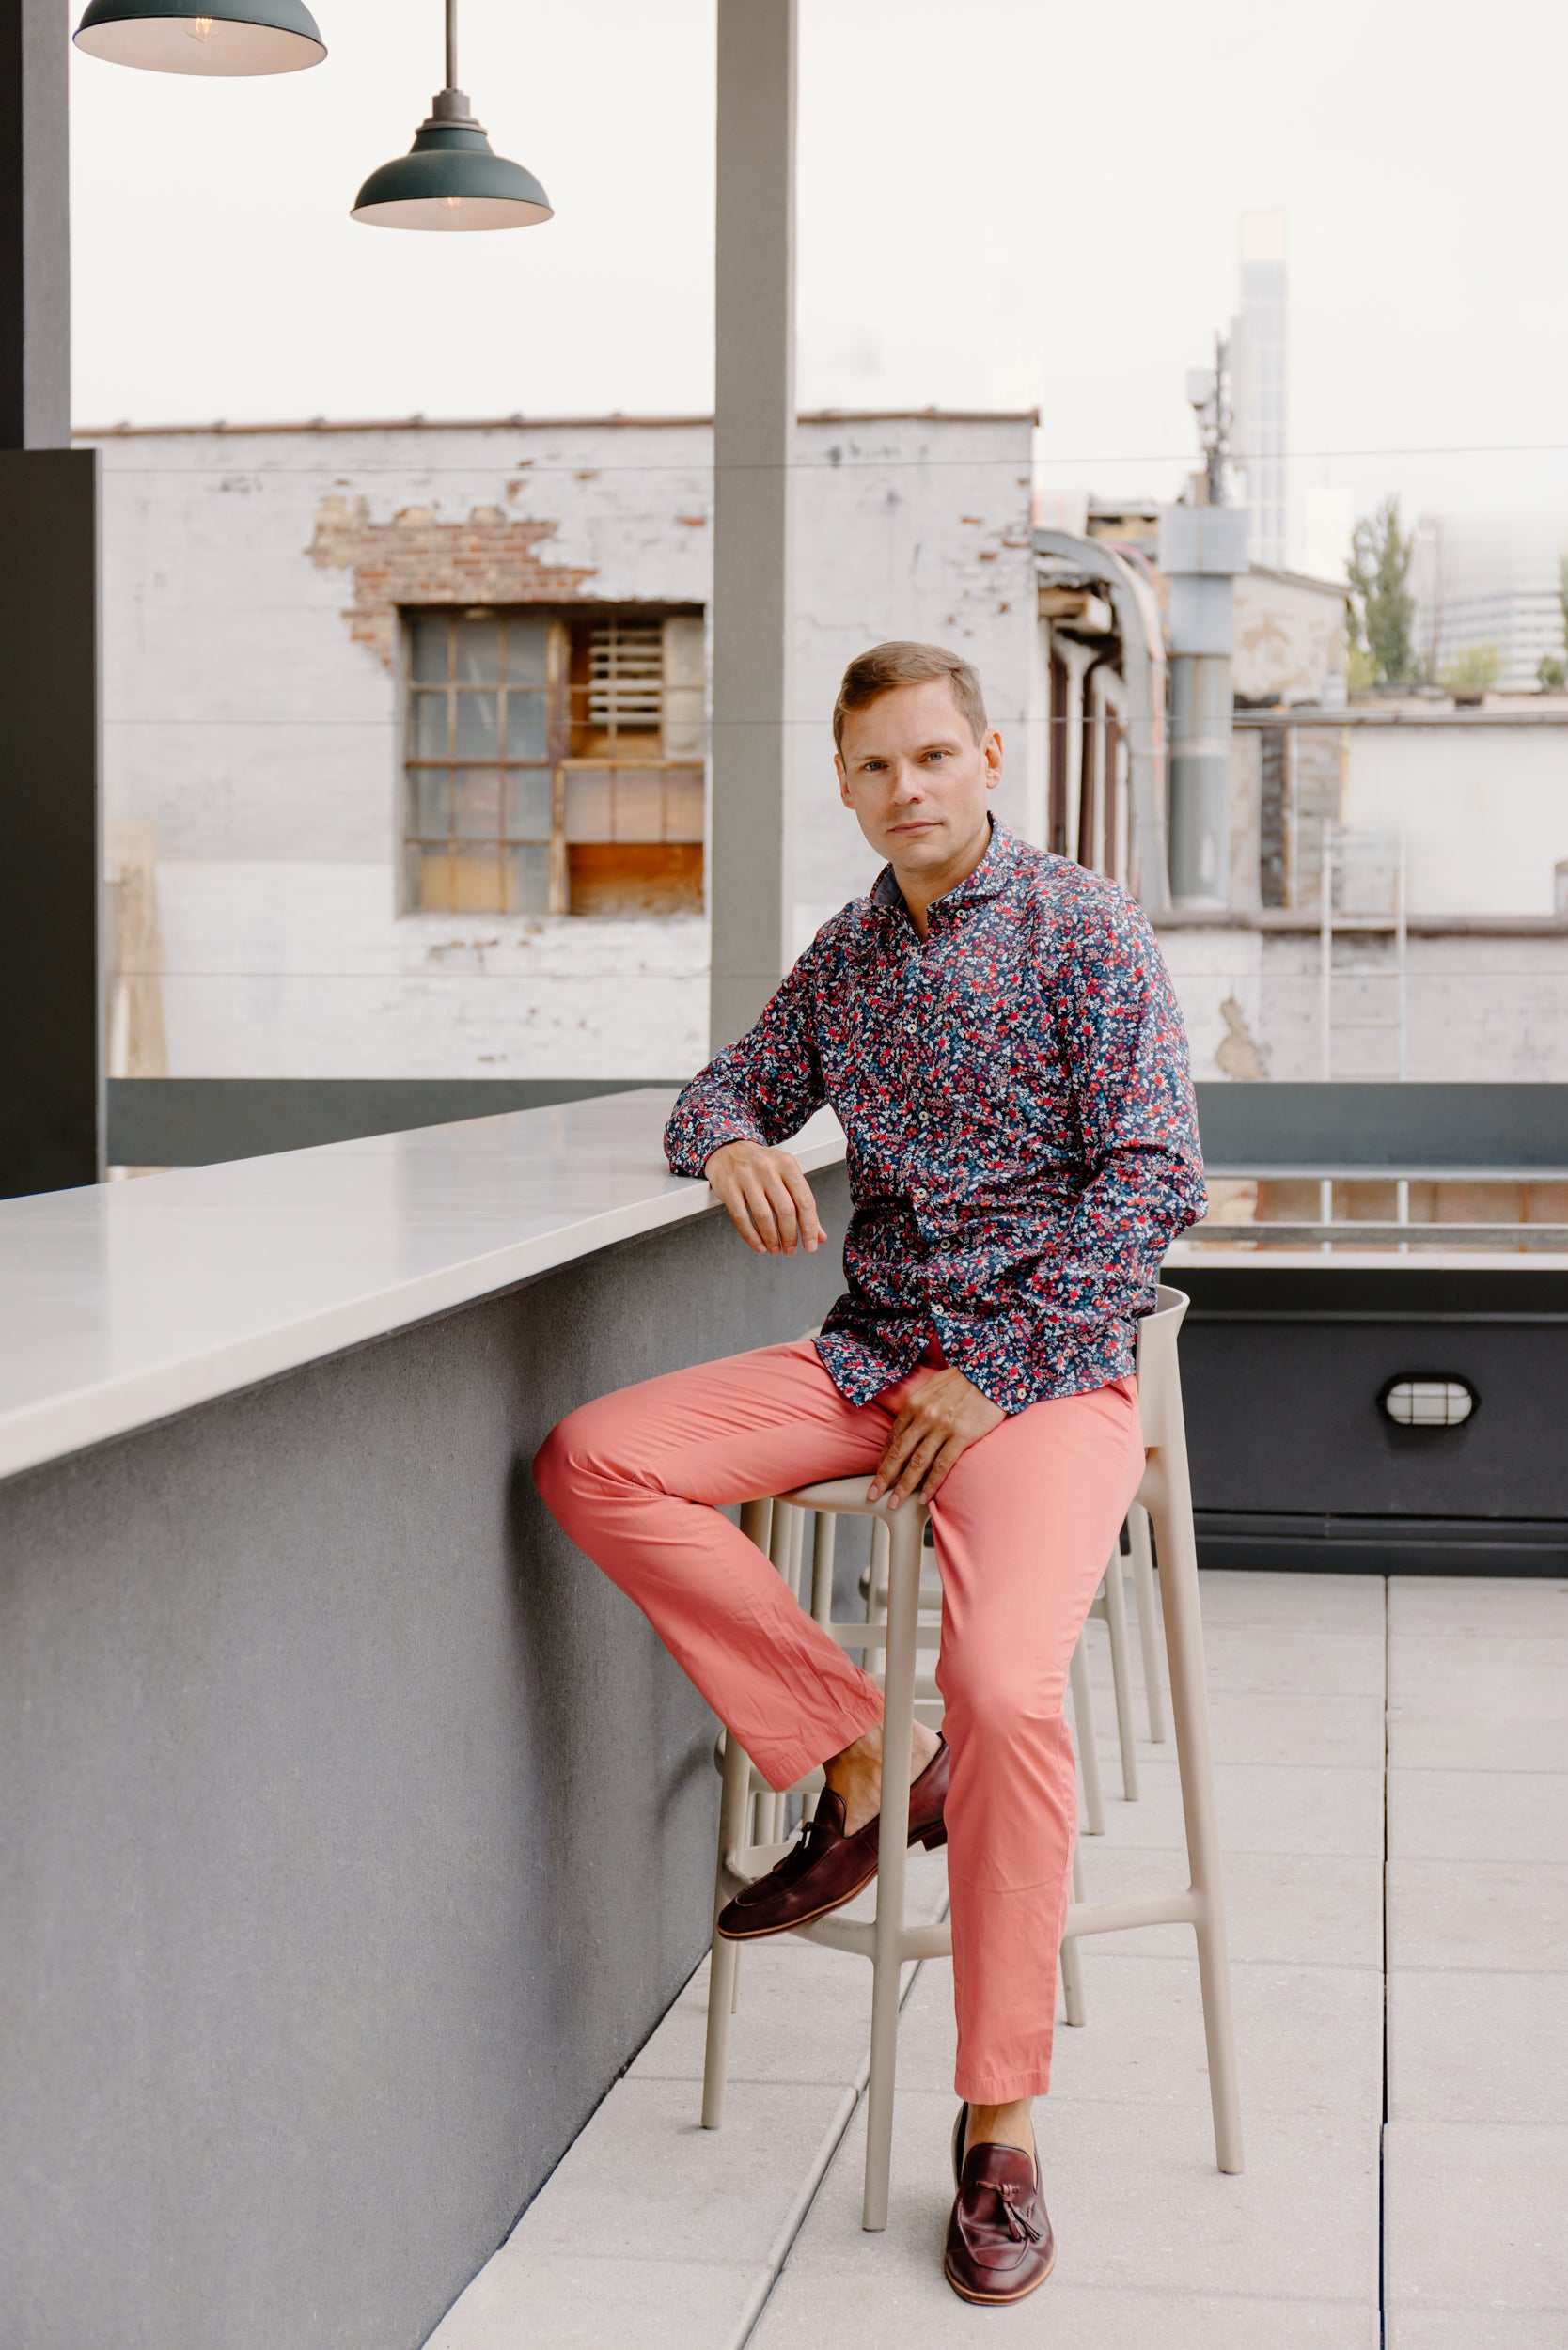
column 761, row 1090
column 1126, row 1049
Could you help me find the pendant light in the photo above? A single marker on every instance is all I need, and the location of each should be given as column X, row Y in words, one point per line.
column 450, row 178
column 228, row 37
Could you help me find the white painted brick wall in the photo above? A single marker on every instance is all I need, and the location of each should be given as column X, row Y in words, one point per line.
column 246, row 724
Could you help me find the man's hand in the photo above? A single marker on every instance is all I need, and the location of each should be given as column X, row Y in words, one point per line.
column 944, row 1416
column 769, row 1199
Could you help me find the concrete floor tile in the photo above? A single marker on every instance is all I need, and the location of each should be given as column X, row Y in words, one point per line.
column 1306, row 1602
column 1481, row 1705
column 680, row 2192
column 1279, row 1727
column 1476, row 2048
column 659, row 2305
column 1475, row 1607
column 1476, row 2329
column 1305, row 2036
column 1478, row 1914
column 1280, row 1908
column 1283, row 1656
column 1424, row 1733
column 1474, row 2217
column 805, row 2015
column 1135, row 2198
column 1294, row 1808
column 912, row 2307
column 1477, row 1815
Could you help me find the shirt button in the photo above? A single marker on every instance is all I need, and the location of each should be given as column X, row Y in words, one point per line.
column 919, row 1196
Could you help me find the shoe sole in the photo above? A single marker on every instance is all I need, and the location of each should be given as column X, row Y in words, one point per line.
column 999, row 2300
column 933, row 1839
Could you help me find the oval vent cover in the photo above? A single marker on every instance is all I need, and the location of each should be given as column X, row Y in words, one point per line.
column 1428, row 1402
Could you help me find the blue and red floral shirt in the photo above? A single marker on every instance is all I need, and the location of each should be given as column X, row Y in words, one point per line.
column 1023, row 1142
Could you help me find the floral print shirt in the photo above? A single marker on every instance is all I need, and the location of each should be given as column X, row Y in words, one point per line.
column 1023, row 1142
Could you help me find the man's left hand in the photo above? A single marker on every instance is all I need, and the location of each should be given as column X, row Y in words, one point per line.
column 944, row 1416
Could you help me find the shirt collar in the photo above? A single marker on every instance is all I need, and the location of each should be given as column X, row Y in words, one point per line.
column 990, row 877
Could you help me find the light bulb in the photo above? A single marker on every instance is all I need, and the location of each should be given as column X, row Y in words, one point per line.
column 198, row 27
column 453, row 203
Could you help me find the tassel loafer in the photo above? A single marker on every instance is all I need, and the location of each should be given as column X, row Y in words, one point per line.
column 1000, row 2246
column 826, row 1868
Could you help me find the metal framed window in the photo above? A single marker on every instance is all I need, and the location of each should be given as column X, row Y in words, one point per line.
column 554, row 763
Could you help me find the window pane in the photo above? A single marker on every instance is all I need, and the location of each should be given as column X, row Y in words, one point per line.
column 683, row 803
column 429, row 631
column 429, row 728
column 478, row 653
column 638, row 805
column 528, row 797
column 430, row 800
column 524, row 725
column 478, row 726
column 477, row 803
column 525, row 881
column 526, row 641
column 588, row 804
column 468, row 883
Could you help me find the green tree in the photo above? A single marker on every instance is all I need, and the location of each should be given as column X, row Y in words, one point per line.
column 1382, row 617
column 1551, row 670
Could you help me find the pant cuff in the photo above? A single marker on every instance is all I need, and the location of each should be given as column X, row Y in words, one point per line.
column 1003, row 2089
column 781, row 1765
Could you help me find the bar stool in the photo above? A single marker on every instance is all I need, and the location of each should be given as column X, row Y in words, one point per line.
column 887, row 1941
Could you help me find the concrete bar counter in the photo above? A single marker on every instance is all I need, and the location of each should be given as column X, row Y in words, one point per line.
column 355, row 1831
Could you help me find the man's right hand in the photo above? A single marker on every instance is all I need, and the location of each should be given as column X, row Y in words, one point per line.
column 769, row 1199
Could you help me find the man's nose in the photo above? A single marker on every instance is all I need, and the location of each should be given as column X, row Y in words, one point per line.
column 906, row 783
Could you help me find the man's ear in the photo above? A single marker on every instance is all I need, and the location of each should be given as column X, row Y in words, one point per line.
column 991, row 751
column 843, row 780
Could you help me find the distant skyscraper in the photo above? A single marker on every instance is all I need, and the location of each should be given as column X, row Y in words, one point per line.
column 1257, row 364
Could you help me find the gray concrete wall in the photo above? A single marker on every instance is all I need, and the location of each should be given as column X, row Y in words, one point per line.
column 357, row 1832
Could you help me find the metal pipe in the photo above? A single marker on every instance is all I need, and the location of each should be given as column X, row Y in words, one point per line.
column 1137, row 620
column 451, row 44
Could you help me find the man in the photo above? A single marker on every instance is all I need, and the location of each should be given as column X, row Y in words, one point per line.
column 995, row 1030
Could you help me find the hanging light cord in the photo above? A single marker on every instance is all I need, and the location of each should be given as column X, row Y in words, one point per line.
column 451, row 44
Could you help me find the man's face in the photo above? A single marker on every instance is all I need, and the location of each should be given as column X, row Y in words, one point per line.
column 915, row 778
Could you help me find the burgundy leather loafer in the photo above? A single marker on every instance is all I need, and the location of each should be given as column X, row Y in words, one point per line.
column 999, row 2240
column 827, row 1868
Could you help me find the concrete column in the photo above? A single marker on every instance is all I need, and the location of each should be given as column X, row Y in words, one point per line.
column 34, row 227
column 750, row 876
column 51, row 1009
column 1201, row 550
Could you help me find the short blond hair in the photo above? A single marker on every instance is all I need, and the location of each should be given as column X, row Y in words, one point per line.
column 902, row 662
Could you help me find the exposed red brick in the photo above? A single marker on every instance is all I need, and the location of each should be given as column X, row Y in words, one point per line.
column 417, row 560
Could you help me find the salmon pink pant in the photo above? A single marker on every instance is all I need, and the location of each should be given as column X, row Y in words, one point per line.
column 1024, row 1525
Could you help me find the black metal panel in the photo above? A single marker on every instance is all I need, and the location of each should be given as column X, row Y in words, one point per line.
column 1294, row 1462
column 51, row 1014
column 194, row 1121
column 1256, row 1129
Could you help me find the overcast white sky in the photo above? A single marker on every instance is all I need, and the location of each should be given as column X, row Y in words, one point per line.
column 1002, row 203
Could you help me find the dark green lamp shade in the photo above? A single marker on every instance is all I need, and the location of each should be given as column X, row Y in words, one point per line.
column 450, row 180
column 225, row 37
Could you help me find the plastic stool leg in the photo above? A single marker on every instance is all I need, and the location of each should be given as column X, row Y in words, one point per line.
column 1171, row 1503
column 1116, row 1624
column 1072, row 1957
column 1148, row 1617
column 903, row 1603
column 1088, row 1757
